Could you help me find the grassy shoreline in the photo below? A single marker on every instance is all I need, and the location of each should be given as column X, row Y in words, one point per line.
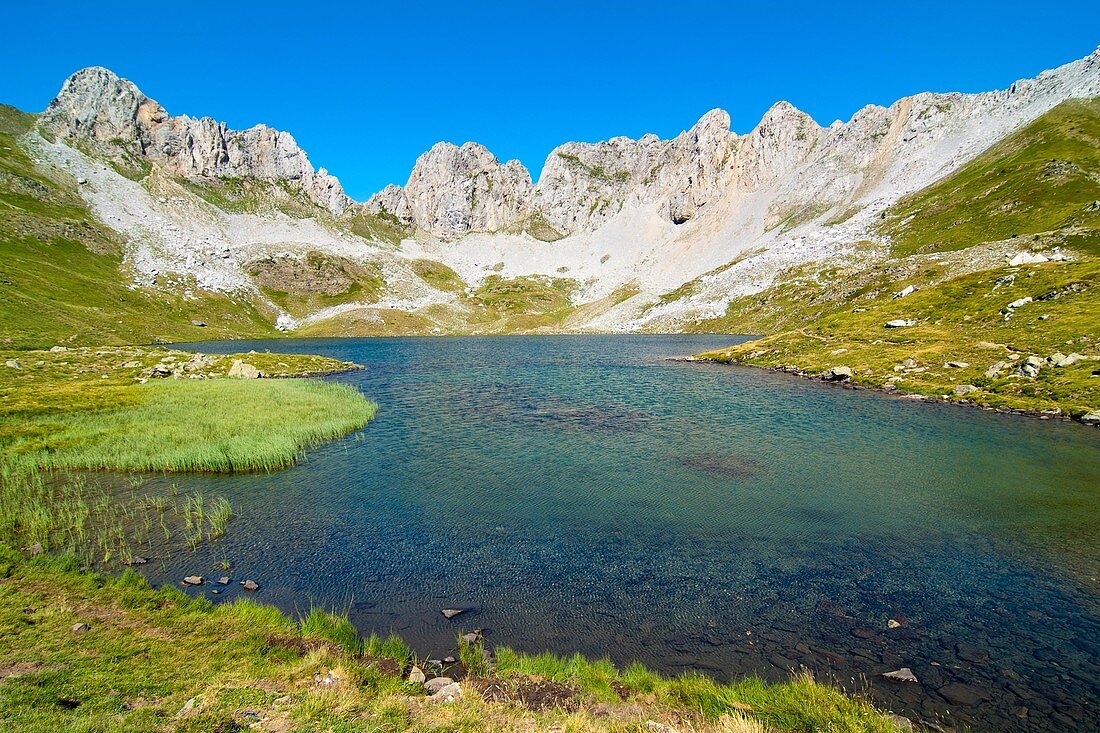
column 156, row 659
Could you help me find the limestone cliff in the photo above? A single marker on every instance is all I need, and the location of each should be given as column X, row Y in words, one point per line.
column 111, row 116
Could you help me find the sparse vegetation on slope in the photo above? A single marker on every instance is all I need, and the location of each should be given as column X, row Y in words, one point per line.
column 1040, row 179
column 60, row 279
column 974, row 320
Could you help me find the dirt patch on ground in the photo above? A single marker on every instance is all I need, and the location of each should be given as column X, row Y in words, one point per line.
column 15, row 669
column 534, row 693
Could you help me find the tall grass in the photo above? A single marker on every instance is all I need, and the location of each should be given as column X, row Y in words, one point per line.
column 338, row 628
column 220, row 514
column 197, row 425
column 70, row 513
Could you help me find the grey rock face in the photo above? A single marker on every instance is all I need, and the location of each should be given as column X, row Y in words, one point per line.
column 808, row 169
column 111, row 115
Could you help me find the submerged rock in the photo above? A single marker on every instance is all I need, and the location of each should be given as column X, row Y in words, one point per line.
column 449, row 613
column 958, row 693
column 250, row 585
column 193, row 580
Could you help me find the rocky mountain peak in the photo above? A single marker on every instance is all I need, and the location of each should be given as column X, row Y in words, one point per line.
column 97, row 105
column 110, row 115
column 456, row 190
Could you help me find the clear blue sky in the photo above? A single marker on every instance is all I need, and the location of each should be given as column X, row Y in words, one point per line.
column 367, row 87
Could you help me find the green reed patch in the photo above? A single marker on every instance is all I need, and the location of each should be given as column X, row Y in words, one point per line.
column 197, row 425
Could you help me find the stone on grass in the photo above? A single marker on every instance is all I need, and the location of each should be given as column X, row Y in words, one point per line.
column 1019, row 303
column 435, row 684
column 13, row 364
column 901, row 675
column 244, row 370
column 957, row 365
column 1030, row 367
column 1026, row 258
column 837, row 374
column 908, row 290
column 81, row 628
column 35, row 549
column 962, row 390
column 899, row 323
column 416, row 676
column 450, row 693
column 654, row 727
column 995, row 369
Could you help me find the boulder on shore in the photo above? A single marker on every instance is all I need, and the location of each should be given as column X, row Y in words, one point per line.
column 244, row 370
column 837, row 374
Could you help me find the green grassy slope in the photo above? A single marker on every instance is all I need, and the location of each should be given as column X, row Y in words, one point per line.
column 1038, row 184
column 60, row 278
column 1043, row 178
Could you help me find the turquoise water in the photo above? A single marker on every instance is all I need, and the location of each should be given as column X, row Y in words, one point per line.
column 587, row 493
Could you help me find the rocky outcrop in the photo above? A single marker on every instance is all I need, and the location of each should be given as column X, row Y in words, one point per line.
column 455, row 190
column 808, row 171
column 101, row 111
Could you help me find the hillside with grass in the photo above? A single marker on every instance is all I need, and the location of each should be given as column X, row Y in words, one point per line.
column 62, row 277
column 990, row 285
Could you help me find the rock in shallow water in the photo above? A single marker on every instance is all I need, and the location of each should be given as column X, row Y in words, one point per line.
column 902, row 675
